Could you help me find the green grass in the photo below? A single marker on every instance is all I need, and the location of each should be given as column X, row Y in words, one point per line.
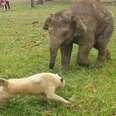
column 24, row 51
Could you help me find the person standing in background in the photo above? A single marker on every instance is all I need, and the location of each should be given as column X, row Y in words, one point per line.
column 7, row 4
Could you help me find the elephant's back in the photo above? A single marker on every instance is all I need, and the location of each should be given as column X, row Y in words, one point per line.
column 91, row 8
column 83, row 8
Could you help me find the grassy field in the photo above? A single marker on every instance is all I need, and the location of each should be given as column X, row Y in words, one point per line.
column 24, row 51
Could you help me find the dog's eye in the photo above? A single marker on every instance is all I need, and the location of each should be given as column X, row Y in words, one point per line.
column 61, row 79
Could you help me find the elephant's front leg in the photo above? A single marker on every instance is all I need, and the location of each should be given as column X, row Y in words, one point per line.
column 53, row 54
column 84, row 48
column 82, row 58
column 66, row 55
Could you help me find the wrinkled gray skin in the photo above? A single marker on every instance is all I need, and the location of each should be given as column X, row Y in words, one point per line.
column 88, row 24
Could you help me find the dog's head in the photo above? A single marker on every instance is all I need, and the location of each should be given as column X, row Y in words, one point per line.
column 61, row 81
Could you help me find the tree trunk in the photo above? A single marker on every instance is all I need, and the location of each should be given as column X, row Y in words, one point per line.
column 39, row 1
column 32, row 3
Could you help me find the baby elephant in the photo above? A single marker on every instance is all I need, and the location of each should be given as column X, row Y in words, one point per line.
column 43, row 83
column 87, row 23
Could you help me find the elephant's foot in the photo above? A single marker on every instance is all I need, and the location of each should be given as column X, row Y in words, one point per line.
column 84, row 62
column 100, row 61
column 95, row 65
column 51, row 65
column 103, row 56
column 99, row 64
column 65, row 65
column 65, row 68
column 108, row 55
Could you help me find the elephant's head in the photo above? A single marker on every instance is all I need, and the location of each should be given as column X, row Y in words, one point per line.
column 61, row 27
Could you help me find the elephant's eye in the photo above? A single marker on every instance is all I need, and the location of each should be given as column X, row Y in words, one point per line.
column 51, row 29
column 65, row 33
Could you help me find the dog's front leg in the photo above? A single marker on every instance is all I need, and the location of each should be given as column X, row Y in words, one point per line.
column 55, row 97
column 50, row 94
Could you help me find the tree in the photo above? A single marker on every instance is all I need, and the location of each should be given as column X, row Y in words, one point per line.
column 32, row 3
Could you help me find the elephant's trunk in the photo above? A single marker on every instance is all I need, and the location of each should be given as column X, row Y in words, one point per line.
column 53, row 54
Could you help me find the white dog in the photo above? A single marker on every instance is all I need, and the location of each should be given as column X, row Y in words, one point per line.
column 43, row 83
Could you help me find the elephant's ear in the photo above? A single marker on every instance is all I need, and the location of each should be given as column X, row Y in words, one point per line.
column 47, row 22
column 79, row 23
column 75, row 21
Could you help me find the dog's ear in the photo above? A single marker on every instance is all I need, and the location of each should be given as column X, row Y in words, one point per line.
column 61, row 79
column 3, row 82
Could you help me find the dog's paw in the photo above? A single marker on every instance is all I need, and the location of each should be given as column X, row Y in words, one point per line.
column 67, row 104
column 73, row 98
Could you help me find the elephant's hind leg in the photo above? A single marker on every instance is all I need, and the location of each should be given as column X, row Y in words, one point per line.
column 101, row 45
column 103, row 55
